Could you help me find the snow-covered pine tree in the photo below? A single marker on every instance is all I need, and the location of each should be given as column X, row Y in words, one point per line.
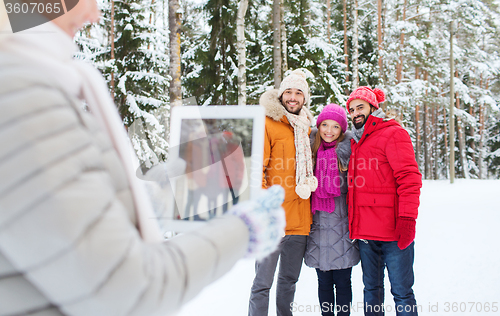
column 309, row 49
column 493, row 158
column 415, row 43
column 141, row 72
column 215, row 59
column 259, row 36
column 139, row 68
column 194, row 45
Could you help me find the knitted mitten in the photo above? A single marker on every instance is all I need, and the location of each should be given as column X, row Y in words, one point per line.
column 405, row 231
column 265, row 219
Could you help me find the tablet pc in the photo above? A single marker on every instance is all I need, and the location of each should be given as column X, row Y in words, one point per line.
column 222, row 147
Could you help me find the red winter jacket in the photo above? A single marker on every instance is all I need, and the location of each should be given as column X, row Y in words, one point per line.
column 384, row 181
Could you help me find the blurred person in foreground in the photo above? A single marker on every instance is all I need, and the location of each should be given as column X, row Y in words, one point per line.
column 78, row 234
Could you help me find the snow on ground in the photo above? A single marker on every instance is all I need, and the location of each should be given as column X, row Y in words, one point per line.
column 457, row 261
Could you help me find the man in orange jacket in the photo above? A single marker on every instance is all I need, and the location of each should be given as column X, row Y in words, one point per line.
column 287, row 162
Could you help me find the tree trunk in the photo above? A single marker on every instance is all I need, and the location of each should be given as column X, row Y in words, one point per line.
column 379, row 36
column 241, row 44
column 445, row 133
column 112, row 40
column 355, row 46
column 384, row 14
column 151, row 15
column 426, row 135
column 328, row 21
column 481, row 141
column 461, row 138
column 435, row 149
column 346, row 44
column 399, row 75
column 284, row 47
column 482, row 132
column 224, row 71
column 277, row 42
column 426, row 143
column 417, row 123
column 174, row 23
column 452, row 106
column 472, row 110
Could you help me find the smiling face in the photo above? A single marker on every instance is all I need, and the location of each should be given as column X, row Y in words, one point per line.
column 85, row 11
column 329, row 130
column 359, row 111
column 293, row 100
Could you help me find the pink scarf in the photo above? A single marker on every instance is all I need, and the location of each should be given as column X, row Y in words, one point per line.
column 327, row 173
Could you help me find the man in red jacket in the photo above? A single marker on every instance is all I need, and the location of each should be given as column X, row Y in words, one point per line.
column 383, row 198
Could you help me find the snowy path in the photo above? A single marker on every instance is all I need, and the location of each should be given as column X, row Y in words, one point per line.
column 457, row 261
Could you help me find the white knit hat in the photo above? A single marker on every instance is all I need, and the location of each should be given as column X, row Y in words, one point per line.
column 296, row 80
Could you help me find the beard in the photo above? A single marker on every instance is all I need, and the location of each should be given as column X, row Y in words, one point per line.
column 295, row 111
column 360, row 124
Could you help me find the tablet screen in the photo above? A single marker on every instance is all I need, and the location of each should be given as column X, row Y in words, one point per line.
column 217, row 152
column 222, row 150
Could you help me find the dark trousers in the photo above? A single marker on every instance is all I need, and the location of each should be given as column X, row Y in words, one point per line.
column 290, row 252
column 329, row 302
column 375, row 256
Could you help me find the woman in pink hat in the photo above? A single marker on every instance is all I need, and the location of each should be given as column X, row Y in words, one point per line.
column 329, row 249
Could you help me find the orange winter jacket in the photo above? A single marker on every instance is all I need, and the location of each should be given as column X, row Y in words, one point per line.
column 279, row 164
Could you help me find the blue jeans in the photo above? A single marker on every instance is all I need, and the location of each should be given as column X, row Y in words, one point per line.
column 327, row 300
column 375, row 256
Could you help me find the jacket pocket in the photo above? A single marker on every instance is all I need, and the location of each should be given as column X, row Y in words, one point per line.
column 377, row 214
column 279, row 158
column 371, row 199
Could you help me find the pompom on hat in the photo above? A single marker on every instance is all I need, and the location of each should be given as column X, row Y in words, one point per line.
column 333, row 112
column 295, row 80
column 374, row 97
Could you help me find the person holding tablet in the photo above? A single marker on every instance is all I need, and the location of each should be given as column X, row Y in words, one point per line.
column 78, row 234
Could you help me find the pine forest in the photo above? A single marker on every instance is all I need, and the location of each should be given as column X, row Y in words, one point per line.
column 437, row 60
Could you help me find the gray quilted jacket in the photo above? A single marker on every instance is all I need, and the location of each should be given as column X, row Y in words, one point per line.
column 328, row 243
column 69, row 243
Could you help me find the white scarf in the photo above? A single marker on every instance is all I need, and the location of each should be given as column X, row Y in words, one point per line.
column 48, row 49
column 305, row 180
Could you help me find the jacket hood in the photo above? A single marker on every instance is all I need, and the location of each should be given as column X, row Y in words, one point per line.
column 374, row 124
column 381, row 123
column 273, row 107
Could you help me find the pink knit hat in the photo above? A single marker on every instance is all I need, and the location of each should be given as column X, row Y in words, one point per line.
column 333, row 112
column 374, row 97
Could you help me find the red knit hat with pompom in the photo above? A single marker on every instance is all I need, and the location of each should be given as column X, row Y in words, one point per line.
column 374, row 97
